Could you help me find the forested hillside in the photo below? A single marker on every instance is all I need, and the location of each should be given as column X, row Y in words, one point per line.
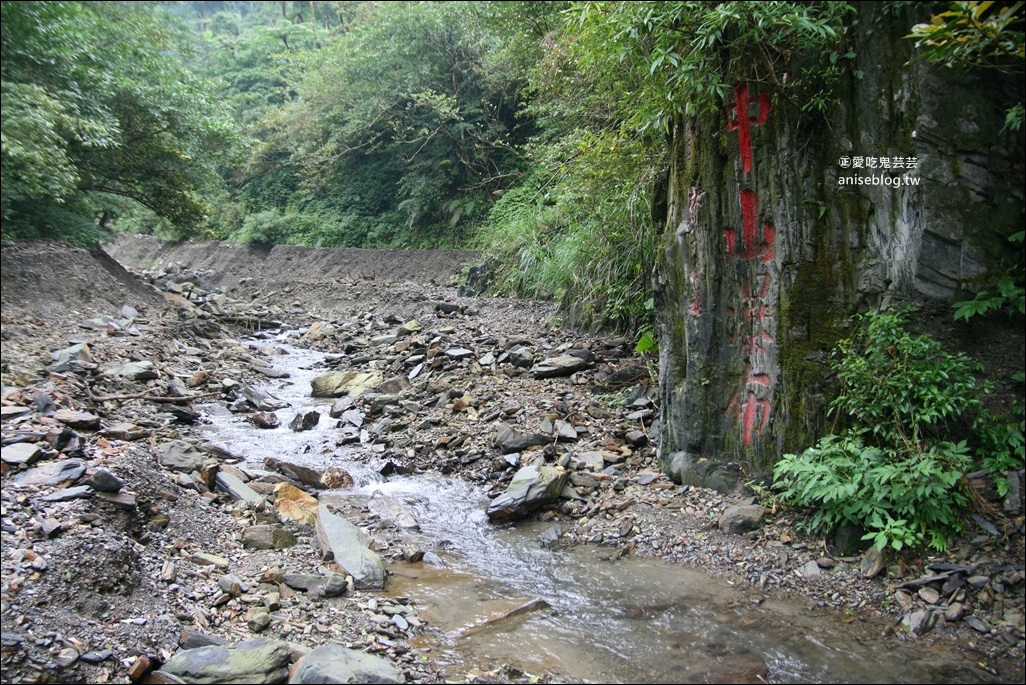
column 536, row 131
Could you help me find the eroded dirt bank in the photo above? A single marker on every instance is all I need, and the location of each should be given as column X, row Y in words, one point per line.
column 120, row 552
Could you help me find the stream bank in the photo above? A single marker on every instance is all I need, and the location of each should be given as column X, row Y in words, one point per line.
column 445, row 426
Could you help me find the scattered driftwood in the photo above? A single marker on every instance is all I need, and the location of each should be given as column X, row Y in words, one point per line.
column 148, row 397
column 527, row 607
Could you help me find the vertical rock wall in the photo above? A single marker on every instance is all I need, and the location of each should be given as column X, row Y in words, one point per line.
column 769, row 248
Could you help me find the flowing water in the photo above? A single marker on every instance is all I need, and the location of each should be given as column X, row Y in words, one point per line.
column 623, row 620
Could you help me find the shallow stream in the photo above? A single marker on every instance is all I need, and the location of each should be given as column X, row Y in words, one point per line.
column 625, row 620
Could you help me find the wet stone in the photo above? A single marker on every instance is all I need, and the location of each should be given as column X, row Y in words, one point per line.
column 531, row 488
column 304, row 421
column 265, row 419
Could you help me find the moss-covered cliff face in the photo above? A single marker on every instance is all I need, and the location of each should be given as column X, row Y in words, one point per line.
column 781, row 225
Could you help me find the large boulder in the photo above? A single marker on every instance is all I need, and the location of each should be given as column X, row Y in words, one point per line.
column 350, row 547
column 293, row 504
column 338, row 383
column 333, row 663
column 531, row 488
column 740, row 519
column 252, row 661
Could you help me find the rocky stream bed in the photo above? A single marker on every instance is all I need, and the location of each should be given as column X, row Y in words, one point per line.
column 293, row 476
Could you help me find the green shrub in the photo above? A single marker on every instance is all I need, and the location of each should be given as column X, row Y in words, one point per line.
column 895, row 470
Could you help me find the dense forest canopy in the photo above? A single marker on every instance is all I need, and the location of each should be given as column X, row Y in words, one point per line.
column 535, row 131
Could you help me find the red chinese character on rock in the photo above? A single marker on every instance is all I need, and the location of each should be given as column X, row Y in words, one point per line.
column 752, row 244
column 740, row 119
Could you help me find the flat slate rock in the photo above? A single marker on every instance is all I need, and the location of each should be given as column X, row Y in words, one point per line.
column 13, row 411
column 563, row 365
column 331, row 585
column 236, row 489
column 136, row 371
column 333, row 663
column 52, row 474
column 179, row 455
column 350, row 547
column 77, row 492
column 26, row 453
column 81, row 420
column 125, row 431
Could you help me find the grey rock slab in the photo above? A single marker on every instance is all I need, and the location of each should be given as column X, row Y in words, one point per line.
column 236, row 489
column 340, row 406
column 511, row 441
column 13, row 411
column 19, row 453
column 458, row 353
column 810, row 568
column 739, row 519
column 70, row 358
column 77, row 492
column 261, row 400
column 333, row 663
column 350, row 547
column 353, row 417
column 52, row 474
column 331, row 585
column 592, row 461
column 978, row 625
column 531, row 488
column 179, row 455
column 136, row 371
column 563, row 365
column 77, row 419
column 121, row 500
column 125, row 431
column 257, row 660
